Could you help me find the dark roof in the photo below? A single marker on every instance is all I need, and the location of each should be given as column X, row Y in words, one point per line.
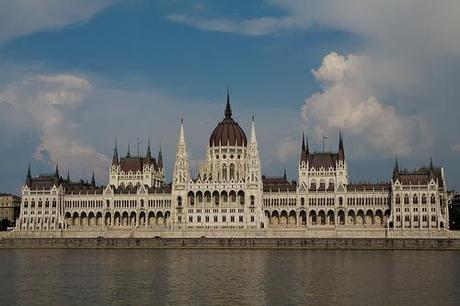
column 421, row 176
column 323, row 159
column 369, row 186
column 278, row 184
column 136, row 163
column 228, row 132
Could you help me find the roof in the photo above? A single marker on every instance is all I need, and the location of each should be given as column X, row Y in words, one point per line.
column 323, row 159
column 278, row 184
column 228, row 132
column 136, row 163
column 386, row 186
column 421, row 176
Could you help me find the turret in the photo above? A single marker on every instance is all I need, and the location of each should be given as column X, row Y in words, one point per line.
column 160, row 159
column 115, row 154
column 396, row 170
column 28, row 177
column 56, row 176
column 182, row 166
column 148, row 155
column 128, row 153
column 93, row 181
column 341, row 149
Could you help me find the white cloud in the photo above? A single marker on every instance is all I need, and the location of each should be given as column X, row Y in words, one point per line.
column 22, row 17
column 418, row 23
column 286, row 148
column 50, row 101
column 349, row 102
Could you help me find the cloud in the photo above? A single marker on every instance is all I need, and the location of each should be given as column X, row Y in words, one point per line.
column 287, row 148
column 22, row 17
column 349, row 102
column 252, row 27
column 51, row 102
column 456, row 147
column 410, row 22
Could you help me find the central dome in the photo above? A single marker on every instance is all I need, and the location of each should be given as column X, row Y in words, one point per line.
column 228, row 132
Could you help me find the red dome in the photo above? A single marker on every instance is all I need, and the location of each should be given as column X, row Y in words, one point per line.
column 228, row 132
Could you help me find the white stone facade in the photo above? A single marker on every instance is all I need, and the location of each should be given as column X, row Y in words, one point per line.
column 229, row 194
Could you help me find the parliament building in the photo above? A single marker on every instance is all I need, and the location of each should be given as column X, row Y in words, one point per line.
column 230, row 196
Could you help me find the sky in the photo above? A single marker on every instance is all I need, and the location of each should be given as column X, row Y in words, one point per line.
column 75, row 75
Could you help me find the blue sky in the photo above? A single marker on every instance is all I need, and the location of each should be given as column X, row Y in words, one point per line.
column 76, row 74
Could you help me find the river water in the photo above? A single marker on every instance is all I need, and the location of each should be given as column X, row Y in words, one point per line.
column 229, row 277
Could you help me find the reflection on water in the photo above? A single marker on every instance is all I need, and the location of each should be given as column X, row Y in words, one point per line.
column 228, row 277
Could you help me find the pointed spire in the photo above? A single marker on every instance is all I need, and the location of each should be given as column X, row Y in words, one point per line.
column 160, row 158
column 56, row 171
column 181, row 134
column 341, row 149
column 56, row 175
column 396, row 169
column 148, row 156
column 93, row 181
column 253, row 131
column 303, row 142
column 28, row 177
column 284, row 175
column 307, row 151
column 431, row 163
column 115, row 153
column 68, row 176
column 228, row 109
column 128, row 154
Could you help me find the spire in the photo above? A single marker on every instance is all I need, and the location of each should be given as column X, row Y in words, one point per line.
column 341, row 149
column 128, row 154
column 303, row 142
column 396, row 170
column 253, row 131
column 56, row 175
column 431, row 163
column 307, row 151
column 115, row 153
column 93, row 181
column 160, row 159
column 181, row 135
column 228, row 109
column 28, row 177
column 68, row 176
column 284, row 175
column 148, row 156
column 56, row 171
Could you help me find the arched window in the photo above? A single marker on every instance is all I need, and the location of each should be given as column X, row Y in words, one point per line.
column 398, row 199
column 415, row 199
column 252, row 200
column 340, row 201
column 302, row 201
column 433, row 199
column 179, row 201
column 142, row 203
column 224, row 172
column 232, row 172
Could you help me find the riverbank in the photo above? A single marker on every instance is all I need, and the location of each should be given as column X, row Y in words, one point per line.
column 233, row 243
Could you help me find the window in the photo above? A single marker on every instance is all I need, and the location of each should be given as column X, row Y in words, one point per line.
column 207, row 218
column 252, row 218
column 215, row 219
column 232, row 219
column 190, row 218
column 199, row 218
column 241, row 218
column 224, row 219
column 179, row 201
column 252, row 200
